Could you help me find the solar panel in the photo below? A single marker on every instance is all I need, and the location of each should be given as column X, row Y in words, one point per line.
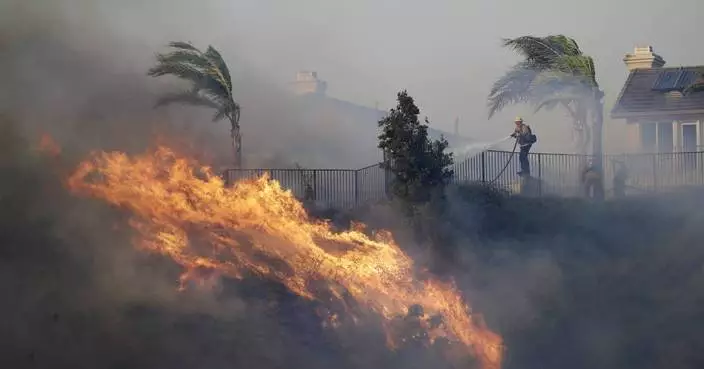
column 687, row 77
column 667, row 80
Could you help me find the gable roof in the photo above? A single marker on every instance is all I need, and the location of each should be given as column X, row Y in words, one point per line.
column 638, row 98
column 371, row 116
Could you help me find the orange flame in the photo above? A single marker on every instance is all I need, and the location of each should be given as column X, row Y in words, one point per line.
column 256, row 226
column 48, row 146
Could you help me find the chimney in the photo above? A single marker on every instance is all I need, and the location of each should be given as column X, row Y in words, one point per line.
column 643, row 58
column 308, row 83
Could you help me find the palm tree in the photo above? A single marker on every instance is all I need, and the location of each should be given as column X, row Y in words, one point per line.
column 211, row 85
column 554, row 73
column 696, row 86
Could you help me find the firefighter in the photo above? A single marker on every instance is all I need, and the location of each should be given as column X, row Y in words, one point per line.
column 525, row 139
column 591, row 181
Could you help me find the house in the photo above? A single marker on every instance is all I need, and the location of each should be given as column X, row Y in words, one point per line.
column 345, row 122
column 659, row 117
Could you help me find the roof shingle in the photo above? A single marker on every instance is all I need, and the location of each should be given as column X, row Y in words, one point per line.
column 638, row 97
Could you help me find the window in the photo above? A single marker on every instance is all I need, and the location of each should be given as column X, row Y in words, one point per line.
column 689, row 145
column 665, row 143
column 648, row 137
column 656, row 137
column 689, row 137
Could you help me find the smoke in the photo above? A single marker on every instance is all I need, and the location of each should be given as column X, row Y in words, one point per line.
column 79, row 72
column 568, row 284
column 463, row 153
column 77, row 295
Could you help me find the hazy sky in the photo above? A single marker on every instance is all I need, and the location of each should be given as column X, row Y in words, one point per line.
column 446, row 53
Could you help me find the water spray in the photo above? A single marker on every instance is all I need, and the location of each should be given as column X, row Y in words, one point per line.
column 468, row 151
column 475, row 149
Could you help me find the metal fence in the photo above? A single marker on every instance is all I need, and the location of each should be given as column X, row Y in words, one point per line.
column 557, row 174
column 560, row 174
column 341, row 188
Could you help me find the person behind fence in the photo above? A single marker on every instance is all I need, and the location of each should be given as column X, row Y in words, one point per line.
column 525, row 139
column 620, row 178
column 590, row 180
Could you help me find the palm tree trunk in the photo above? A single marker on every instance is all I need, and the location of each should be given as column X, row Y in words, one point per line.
column 236, row 137
column 597, row 137
column 237, row 145
column 583, row 129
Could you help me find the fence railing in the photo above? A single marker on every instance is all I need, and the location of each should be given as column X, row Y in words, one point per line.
column 561, row 174
column 558, row 174
column 343, row 188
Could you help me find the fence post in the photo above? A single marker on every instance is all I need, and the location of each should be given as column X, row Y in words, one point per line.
column 225, row 176
column 315, row 185
column 483, row 163
column 540, row 175
column 356, row 188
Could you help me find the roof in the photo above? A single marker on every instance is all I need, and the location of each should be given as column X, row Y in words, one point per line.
column 364, row 114
column 657, row 92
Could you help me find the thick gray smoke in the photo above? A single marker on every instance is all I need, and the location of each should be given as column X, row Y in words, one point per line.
column 567, row 283
column 78, row 70
column 77, row 295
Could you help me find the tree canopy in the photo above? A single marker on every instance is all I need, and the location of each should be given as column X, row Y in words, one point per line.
column 420, row 166
column 554, row 72
column 210, row 84
column 697, row 85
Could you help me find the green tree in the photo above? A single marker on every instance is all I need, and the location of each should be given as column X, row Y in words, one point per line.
column 420, row 167
column 211, row 85
column 554, row 72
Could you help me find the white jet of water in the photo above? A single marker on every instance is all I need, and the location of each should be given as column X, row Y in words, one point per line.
column 463, row 153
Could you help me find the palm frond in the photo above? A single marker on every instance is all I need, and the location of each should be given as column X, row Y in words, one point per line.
column 562, row 86
column 564, row 45
column 211, row 82
column 522, row 71
column 207, row 71
column 696, row 86
column 551, row 104
column 550, row 81
column 577, row 66
column 183, row 57
column 537, row 50
column 216, row 58
column 183, row 46
column 511, row 88
column 215, row 90
column 220, row 113
column 230, row 111
column 559, row 90
column 186, row 97
column 181, row 70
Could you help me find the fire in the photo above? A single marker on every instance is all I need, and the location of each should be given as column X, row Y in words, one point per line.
column 188, row 214
column 49, row 146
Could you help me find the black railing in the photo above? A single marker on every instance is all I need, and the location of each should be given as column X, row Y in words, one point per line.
column 558, row 174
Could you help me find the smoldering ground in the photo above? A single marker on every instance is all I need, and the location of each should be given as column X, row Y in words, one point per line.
column 570, row 283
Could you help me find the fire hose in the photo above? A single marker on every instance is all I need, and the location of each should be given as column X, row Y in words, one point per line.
column 513, row 152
